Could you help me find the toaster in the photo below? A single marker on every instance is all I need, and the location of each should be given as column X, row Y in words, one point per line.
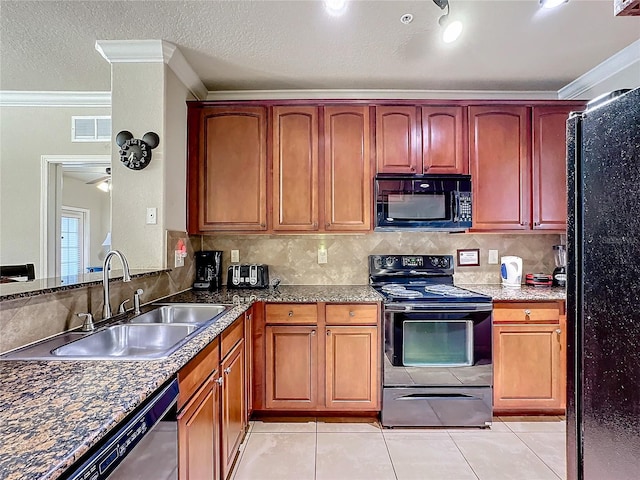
column 248, row 276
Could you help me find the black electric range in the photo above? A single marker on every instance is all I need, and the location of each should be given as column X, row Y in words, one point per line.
column 437, row 344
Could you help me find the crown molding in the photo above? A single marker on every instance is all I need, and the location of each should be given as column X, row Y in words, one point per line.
column 625, row 58
column 153, row 51
column 380, row 95
column 18, row 98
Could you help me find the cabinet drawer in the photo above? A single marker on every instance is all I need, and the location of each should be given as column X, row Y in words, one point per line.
column 231, row 336
column 541, row 312
column 298, row 313
column 352, row 314
column 194, row 373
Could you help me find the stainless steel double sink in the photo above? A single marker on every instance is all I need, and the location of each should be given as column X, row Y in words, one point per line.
column 154, row 334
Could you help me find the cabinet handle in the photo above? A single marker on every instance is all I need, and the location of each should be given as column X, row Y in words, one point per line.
column 413, row 169
column 328, row 332
column 291, row 313
column 527, row 312
column 536, row 224
column 262, row 225
column 352, row 313
column 227, row 370
column 219, row 380
column 315, row 224
column 313, row 332
column 558, row 331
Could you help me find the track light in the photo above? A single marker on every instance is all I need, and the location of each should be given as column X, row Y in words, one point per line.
column 551, row 3
column 452, row 28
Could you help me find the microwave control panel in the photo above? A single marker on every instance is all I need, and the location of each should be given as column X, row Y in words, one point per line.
column 464, row 207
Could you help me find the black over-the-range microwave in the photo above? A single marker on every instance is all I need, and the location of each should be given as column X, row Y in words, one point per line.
column 423, row 202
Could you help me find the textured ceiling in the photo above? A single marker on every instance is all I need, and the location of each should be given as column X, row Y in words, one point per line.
column 238, row 45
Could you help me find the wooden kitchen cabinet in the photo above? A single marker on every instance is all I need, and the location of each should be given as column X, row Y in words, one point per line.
column 332, row 364
column 347, row 169
column 352, row 368
column 227, row 169
column 518, row 166
column 295, row 168
column 529, row 357
column 500, row 167
column 199, row 433
column 427, row 139
column 234, row 413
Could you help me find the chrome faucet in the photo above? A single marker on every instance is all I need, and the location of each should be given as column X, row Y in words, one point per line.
column 126, row 277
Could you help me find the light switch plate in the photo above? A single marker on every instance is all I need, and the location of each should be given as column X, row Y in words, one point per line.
column 493, row 257
column 235, row 256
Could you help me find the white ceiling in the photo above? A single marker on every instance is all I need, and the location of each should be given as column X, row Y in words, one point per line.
column 259, row 45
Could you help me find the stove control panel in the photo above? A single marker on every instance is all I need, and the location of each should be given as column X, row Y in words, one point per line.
column 410, row 264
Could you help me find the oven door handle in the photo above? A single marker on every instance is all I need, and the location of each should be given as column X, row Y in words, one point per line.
column 438, row 308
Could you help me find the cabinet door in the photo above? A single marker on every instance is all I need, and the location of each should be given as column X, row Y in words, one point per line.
column 234, row 414
column 397, row 146
column 347, row 169
column 199, row 433
column 443, row 139
column 295, row 168
column 352, row 368
column 291, row 367
column 499, row 159
column 230, row 171
column 549, row 193
column 529, row 368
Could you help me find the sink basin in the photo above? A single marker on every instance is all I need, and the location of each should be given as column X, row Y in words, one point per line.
column 181, row 313
column 128, row 342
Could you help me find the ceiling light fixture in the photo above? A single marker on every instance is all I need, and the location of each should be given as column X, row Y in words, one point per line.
column 105, row 186
column 552, row 3
column 452, row 28
column 335, row 8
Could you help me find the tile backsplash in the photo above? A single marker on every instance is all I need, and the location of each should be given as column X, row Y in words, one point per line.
column 294, row 258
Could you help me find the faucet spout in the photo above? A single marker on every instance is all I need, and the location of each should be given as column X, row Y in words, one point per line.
column 126, row 277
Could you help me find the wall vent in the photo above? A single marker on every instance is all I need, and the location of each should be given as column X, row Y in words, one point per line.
column 91, row 129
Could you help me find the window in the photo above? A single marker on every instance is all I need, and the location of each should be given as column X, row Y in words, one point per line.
column 90, row 129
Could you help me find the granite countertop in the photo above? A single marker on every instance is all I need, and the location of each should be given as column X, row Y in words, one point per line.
column 52, row 412
column 524, row 293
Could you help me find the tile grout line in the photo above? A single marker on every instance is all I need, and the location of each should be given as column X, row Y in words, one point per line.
column 463, row 456
column 538, row 456
column 384, row 439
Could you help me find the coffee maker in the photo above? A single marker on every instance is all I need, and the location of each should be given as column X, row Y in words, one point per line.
column 208, row 270
column 560, row 272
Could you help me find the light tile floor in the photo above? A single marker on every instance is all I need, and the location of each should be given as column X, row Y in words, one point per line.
column 519, row 448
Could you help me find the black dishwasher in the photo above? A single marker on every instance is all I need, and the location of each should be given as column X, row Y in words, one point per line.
column 115, row 456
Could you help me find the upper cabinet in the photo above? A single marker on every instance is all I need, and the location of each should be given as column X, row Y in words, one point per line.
column 519, row 167
column 295, row 168
column 347, row 169
column 427, row 139
column 227, row 169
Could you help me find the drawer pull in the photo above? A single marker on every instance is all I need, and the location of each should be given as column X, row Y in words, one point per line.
column 352, row 313
column 313, row 332
column 328, row 332
column 227, row 370
column 558, row 331
column 291, row 313
column 527, row 312
column 219, row 380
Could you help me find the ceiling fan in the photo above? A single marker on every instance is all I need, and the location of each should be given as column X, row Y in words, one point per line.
column 106, row 177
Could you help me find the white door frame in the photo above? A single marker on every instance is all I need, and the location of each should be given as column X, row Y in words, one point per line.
column 51, row 202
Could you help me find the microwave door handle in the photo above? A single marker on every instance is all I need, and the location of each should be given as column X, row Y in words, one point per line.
column 455, row 199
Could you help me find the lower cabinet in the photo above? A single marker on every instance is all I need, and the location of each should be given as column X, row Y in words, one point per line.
column 529, row 357
column 330, row 362
column 198, row 434
column 212, row 407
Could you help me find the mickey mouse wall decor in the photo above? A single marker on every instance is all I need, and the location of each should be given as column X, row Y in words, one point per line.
column 136, row 153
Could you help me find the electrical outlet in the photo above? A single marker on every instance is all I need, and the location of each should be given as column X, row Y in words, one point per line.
column 493, row 257
column 322, row 255
column 179, row 259
column 152, row 215
column 235, row 256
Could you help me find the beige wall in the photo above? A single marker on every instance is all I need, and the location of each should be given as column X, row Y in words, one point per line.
column 27, row 133
column 293, row 258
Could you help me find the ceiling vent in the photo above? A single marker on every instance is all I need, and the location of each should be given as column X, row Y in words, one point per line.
column 91, row 129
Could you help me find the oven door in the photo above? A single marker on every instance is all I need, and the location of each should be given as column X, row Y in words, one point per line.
column 446, row 335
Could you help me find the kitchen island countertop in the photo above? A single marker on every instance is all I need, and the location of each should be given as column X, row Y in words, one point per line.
column 52, row 412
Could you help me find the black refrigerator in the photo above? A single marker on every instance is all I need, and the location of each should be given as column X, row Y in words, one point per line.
column 603, row 290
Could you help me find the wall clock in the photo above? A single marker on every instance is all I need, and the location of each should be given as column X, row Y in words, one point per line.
column 135, row 153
